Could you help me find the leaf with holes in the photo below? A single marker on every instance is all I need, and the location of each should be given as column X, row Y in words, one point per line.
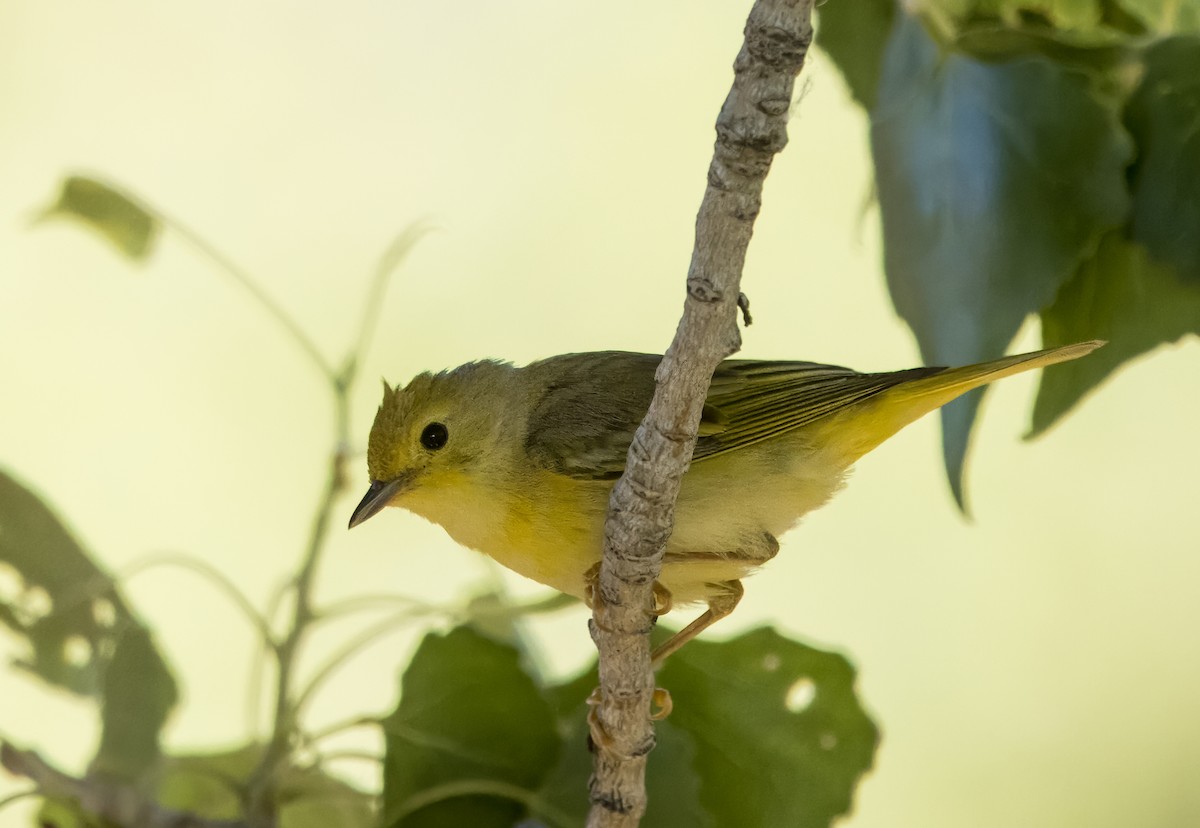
column 119, row 219
column 781, row 738
column 82, row 636
column 995, row 180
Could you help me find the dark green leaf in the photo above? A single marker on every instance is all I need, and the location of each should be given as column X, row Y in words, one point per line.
column 1164, row 119
column 1120, row 295
column 139, row 693
column 109, row 212
column 781, row 740
column 471, row 719
column 68, row 606
column 994, row 181
column 853, row 33
column 82, row 636
column 672, row 784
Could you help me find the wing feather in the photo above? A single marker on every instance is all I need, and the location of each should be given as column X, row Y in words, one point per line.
column 589, row 405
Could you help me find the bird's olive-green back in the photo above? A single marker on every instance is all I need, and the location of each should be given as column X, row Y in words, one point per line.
column 589, row 405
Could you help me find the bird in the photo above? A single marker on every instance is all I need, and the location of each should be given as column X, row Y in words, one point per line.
column 518, row 462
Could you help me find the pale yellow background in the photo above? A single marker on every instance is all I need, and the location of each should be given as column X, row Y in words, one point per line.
column 1040, row 667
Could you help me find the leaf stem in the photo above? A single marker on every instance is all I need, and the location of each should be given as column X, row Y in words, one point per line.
column 215, row 577
column 260, row 296
column 478, row 787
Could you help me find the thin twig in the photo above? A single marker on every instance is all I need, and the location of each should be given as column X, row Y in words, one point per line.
column 388, row 262
column 214, row 576
column 264, row 301
column 350, row 649
column 262, row 790
column 751, row 129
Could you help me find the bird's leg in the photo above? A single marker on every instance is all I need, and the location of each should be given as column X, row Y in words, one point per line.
column 661, row 701
column 726, row 597
column 662, row 600
column 591, row 586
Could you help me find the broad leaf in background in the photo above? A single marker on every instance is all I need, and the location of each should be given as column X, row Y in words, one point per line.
column 108, row 211
column 781, row 738
column 853, row 33
column 81, row 634
column 766, row 733
column 995, row 181
column 1164, row 118
column 472, row 739
column 1120, row 295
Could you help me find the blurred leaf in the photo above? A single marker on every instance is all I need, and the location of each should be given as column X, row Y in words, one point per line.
column 1120, row 295
column 1164, row 118
column 781, row 738
column 68, row 607
column 853, row 33
column 139, row 693
column 672, row 784
column 994, row 181
column 209, row 784
column 467, row 714
column 82, row 636
column 1099, row 49
column 1076, row 15
column 1166, row 16
column 109, row 212
column 54, row 813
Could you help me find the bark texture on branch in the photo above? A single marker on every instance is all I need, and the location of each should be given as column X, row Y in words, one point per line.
column 751, row 129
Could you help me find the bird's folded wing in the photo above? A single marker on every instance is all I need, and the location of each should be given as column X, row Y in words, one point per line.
column 584, row 420
column 750, row 401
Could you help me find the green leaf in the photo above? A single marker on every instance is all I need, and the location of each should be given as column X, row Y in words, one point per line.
column 672, row 784
column 82, row 636
column 114, row 215
column 781, row 739
column 138, row 695
column 995, row 181
column 1166, row 16
column 209, row 785
column 1164, row 119
column 471, row 740
column 1120, row 295
column 1096, row 49
column 853, row 33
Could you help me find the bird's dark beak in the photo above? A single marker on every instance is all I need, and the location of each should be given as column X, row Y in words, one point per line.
column 378, row 496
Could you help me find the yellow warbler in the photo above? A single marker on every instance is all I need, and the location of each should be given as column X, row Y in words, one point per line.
column 518, row 463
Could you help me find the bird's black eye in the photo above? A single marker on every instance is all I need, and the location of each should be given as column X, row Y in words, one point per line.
column 434, row 436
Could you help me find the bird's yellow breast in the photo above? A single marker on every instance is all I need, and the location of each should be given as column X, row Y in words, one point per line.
column 550, row 528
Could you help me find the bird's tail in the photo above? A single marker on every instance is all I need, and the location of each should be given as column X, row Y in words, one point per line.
column 882, row 416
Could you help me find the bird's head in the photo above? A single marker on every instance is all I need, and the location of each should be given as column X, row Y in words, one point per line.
column 433, row 432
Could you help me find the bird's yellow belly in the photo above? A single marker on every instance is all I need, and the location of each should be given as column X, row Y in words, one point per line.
column 554, row 532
